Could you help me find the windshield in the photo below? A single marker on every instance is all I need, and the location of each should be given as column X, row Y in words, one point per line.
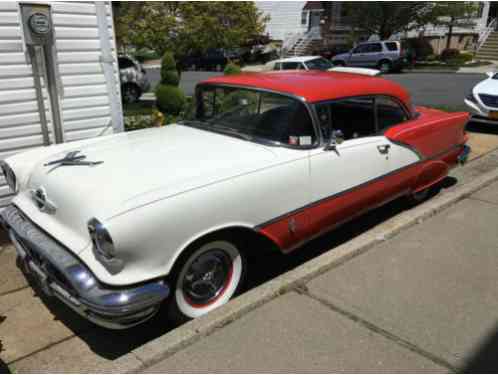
column 252, row 115
column 319, row 64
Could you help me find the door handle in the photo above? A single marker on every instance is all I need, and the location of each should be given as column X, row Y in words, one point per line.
column 384, row 149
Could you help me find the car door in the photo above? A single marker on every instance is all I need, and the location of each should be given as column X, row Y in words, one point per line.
column 374, row 54
column 349, row 178
column 359, row 55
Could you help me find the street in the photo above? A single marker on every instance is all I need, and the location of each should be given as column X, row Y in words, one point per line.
column 442, row 89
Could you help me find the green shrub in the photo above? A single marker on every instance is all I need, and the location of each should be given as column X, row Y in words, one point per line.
column 420, row 47
column 145, row 54
column 431, row 57
column 232, row 68
column 169, row 74
column 170, row 100
column 450, row 54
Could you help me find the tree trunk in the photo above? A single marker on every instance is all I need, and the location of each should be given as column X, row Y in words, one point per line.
column 450, row 34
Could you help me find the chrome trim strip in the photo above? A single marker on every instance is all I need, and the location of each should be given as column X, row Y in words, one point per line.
column 63, row 275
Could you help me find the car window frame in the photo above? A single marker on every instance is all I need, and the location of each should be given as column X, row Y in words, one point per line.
column 409, row 115
column 309, row 108
column 376, row 44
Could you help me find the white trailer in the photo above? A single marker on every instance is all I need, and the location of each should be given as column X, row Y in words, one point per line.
column 78, row 97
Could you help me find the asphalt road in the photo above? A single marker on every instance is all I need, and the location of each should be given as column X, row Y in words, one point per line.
column 439, row 89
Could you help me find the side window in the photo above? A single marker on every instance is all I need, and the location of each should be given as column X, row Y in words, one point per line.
column 323, row 112
column 277, row 66
column 290, row 65
column 362, row 48
column 285, row 120
column 375, row 47
column 125, row 63
column 355, row 117
column 389, row 112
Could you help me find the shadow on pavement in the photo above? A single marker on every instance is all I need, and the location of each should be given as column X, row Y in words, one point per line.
column 482, row 128
column 111, row 344
column 485, row 361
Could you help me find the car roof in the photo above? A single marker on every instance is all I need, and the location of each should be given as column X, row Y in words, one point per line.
column 298, row 59
column 315, row 86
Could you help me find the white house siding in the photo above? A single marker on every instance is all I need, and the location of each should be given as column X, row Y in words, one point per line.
column 285, row 18
column 85, row 106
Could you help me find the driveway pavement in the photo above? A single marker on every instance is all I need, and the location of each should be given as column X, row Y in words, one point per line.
column 424, row 301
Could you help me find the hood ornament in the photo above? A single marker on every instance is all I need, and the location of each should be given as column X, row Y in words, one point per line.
column 72, row 158
column 44, row 204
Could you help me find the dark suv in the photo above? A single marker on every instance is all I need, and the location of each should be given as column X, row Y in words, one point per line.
column 384, row 55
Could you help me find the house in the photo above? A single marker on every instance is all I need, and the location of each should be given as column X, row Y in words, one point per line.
column 303, row 27
column 58, row 75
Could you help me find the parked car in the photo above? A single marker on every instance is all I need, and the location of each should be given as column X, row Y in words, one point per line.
column 116, row 226
column 386, row 55
column 314, row 63
column 300, row 63
column 330, row 52
column 482, row 100
column 133, row 79
column 211, row 60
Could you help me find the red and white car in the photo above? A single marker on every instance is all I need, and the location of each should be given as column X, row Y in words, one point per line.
column 116, row 226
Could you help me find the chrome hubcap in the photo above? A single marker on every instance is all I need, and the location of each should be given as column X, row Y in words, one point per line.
column 207, row 277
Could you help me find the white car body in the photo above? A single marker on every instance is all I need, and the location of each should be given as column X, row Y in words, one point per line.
column 483, row 100
column 206, row 170
column 112, row 225
column 302, row 61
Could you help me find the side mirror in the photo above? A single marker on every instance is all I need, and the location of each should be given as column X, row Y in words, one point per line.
column 490, row 74
column 336, row 138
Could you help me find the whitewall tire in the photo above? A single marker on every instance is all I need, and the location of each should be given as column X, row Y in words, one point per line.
column 209, row 277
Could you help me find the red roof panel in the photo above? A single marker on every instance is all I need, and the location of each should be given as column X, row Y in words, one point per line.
column 315, row 86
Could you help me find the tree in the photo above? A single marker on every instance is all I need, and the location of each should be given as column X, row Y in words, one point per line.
column 385, row 18
column 452, row 14
column 188, row 26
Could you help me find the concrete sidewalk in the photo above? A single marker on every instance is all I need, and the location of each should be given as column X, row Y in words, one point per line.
column 423, row 301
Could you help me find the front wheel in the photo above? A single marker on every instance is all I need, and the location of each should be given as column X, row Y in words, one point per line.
column 207, row 278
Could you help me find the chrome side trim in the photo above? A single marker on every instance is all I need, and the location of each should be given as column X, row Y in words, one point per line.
column 63, row 275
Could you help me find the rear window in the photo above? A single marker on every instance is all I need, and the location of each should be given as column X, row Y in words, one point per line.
column 392, row 46
column 290, row 65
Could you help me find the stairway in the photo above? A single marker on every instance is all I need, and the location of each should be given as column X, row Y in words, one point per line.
column 304, row 44
column 489, row 50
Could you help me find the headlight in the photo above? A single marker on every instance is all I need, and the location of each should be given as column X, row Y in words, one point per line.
column 470, row 96
column 10, row 176
column 101, row 239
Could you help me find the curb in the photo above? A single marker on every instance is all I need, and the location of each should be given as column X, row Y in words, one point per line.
column 164, row 346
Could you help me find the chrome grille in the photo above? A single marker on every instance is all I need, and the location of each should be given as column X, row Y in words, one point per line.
column 489, row 100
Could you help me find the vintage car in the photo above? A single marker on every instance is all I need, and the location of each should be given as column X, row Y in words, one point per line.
column 115, row 227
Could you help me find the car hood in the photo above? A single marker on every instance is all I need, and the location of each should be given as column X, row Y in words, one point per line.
column 488, row 86
column 341, row 56
column 138, row 168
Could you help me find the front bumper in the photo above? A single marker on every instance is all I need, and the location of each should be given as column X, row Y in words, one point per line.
column 479, row 113
column 62, row 275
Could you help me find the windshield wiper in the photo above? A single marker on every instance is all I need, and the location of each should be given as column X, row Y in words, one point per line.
column 232, row 131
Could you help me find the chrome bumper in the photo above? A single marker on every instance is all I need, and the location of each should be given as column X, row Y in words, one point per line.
column 61, row 274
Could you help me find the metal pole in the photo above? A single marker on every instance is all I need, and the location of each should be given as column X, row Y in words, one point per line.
column 39, row 92
column 53, row 94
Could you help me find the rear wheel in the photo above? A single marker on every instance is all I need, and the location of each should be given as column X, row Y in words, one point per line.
column 385, row 66
column 130, row 93
column 207, row 278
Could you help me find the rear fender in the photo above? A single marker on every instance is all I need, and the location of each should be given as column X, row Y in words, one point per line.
column 431, row 173
column 432, row 132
